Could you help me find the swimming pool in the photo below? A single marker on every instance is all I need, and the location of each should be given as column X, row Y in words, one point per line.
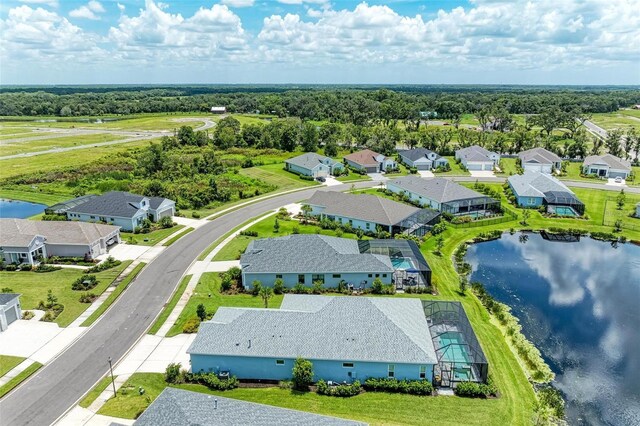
column 454, row 349
column 563, row 211
column 401, row 263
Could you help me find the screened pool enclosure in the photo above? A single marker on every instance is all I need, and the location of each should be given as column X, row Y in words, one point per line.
column 411, row 268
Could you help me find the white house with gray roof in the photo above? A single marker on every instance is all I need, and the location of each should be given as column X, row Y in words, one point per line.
column 346, row 339
column 312, row 164
column 25, row 241
column 10, row 310
column 178, row 407
column 535, row 189
column 540, row 160
column 422, row 159
column 122, row 209
column 441, row 194
column 606, row 166
column 477, row 158
column 370, row 213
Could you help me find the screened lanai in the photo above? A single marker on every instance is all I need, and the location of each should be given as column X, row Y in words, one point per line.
column 411, row 268
column 563, row 203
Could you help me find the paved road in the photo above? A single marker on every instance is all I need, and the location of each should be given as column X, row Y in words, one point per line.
column 58, row 385
column 595, row 129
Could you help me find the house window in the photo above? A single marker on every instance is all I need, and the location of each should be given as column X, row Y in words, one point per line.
column 301, row 278
column 384, row 275
column 377, row 275
column 532, row 201
column 423, row 371
column 92, row 217
column 347, row 364
column 317, row 277
column 278, row 276
column 337, row 276
column 368, row 225
column 392, row 371
column 279, row 361
column 370, row 275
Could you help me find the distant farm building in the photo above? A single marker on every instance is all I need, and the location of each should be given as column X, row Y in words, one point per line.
column 218, row 110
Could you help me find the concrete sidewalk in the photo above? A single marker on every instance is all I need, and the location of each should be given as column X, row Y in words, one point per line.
column 15, row 371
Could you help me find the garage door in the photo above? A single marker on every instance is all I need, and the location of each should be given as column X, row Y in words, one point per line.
column 11, row 315
column 323, row 173
column 617, row 174
column 487, row 166
column 164, row 213
column 372, row 169
column 474, row 166
column 423, row 167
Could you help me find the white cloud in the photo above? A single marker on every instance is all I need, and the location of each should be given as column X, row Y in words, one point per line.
column 88, row 11
column 95, row 6
column 238, row 3
column 121, row 7
column 52, row 3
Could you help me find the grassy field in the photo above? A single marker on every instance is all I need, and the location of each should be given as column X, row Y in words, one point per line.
column 208, row 293
column 274, row 174
column 7, row 387
column 168, row 307
column 34, row 286
column 32, row 196
column 55, row 142
column 150, row 239
column 616, row 120
column 95, row 392
column 7, row 363
column 19, row 134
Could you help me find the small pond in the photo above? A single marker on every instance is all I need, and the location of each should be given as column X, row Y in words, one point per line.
column 579, row 303
column 19, row 209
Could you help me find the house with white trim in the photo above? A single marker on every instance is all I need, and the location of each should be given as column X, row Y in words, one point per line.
column 477, row 158
column 422, row 159
column 314, row 165
column 369, row 161
column 540, row 160
column 10, row 310
column 606, row 166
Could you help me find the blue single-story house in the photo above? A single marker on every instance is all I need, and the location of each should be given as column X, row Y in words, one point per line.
column 312, row 164
column 122, row 209
column 535, row 189
column 422, row 159
column 346, row 339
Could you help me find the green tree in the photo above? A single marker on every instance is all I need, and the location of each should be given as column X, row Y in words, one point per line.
column 309, row 137
column 613, row 142
column 306, row 210
column 266, row 293
column 463, row 284
column 621, row 199
column 331, row 149
column 201, row 312
column 276, row 226
column 526, row 214
column 278, row 286
column 439, row 244
column 256, row 286
column 377, row 287
column 302, row 374
column 51, row 299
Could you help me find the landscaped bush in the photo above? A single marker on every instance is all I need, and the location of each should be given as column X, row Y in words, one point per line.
column 174, row 374
column 299, row 288
column 248, row 233
column 474, row 390
column 27, row 315
column 417, row 290
column 51, row 307
column 43, row 267
column 211, row 381
column 166, row 222
column 84, row 283
column 6, row 290
column 191, row 326
column 344, row 390
column 82, row 261
column 604, row 236
column 109, row 263
column 413, row 387
column 195, row 215
column 302, row 374
column 54, row 217
column 88, row 297
column 305, row 177
column 26, row 267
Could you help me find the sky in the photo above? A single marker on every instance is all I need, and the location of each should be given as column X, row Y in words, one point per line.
column 573, row 42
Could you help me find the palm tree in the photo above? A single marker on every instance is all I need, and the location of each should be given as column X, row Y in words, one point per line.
column 266, row 293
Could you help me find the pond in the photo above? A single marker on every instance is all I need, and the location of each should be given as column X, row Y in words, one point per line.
column 579, row 303
column 19, row 209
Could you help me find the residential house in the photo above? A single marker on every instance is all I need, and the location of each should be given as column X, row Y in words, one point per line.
column 369, row 161
column 122, row 209
column 346, row 339
column 312, row 164
column 63, row 207
column 9, row 309
column 443, row 195
column 535, row 189
column 25, row 241
column 477, row 158
column 310, row 258
column 606, row 166
column 540, row 160
column 371, row 213
column 218, row 110
column 178, row 407
column 422, row 159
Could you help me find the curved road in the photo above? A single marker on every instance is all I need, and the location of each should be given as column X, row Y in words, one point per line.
column 57, row 386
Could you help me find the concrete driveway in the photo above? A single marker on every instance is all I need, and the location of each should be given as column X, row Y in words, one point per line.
column 331, row 181
column 377, row 177
column 482, row 173
column 426, row 173
column 612, row 182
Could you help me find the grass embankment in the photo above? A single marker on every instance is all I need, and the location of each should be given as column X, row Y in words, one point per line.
column 168, row 307
column 150, row 239
column 8, row 363
column 33, row 288
column 177, row 237
column 95, row 392
column 32, row 196
column 122, row 286
column 7, row 387
column 208, row 293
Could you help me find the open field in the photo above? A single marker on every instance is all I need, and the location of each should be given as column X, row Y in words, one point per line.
column 508, row 166
column 274, row 174
column 7, row 363
column 34, row 286
column 11, row 148
column 617, row 120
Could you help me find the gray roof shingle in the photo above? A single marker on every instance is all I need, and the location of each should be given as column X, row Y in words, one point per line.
column 438, row 189
column 474, row 153
column 362, row 206
column 177, row 407
column 115, row 203
column 7, row 297
column 309, row 160
column 417, row 153
column 391, row 330
column 299, row 253
column 608, row 159
column 535, row 184
column 539, row 155
column 20, row 232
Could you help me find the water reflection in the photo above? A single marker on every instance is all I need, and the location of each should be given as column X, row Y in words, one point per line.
column 579, row 303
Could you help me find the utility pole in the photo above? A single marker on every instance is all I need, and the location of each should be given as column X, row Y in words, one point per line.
column 113, row 383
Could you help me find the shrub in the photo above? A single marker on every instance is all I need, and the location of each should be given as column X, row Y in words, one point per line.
column 166, row 222
column 344, row 390
column 256, row 285
column 248, row 233
column 201, row 311
column 302, row 374
column 11, row 268
column 212, row 381
column 41, row 268
column 26, row 267
column 413, row 387
column 552, row 398
column 88, row 297
column 85, row 282
column 474, row 390
column 278, row 286
column 174, row 374
column 27, row 315
column 377, row 287
column 6, row 290
column 109, row 263
column 191, row 326
column 299, row 288
column 195, row 215
column 318, row 287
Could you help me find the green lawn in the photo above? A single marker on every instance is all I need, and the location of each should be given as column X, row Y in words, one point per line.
column 34, row 286
column 95, row 392
column 616, row 120
column 4, row 389
column 32, row 196
column 7, row 363
column 215, row 244
column 351, row 177
column 508, row 166
column 150, row 239
column 168, row 307
column 56, row 142
column 274, row 174
column 455, row 169
column 208, row 293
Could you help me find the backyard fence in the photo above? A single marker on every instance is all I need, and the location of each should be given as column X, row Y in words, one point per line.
column 611, row 214
column 507, row 217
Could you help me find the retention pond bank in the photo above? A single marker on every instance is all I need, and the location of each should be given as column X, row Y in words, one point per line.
column 19, row 209
column 578, row 302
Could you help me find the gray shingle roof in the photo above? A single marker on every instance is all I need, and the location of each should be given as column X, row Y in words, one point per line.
column 440, row 190
column 177, row 407
column 300, row 253
column 309, row 160
column 362, row 206
column 392, row 330
column 7, row 297
column 608, row 159
column 20, row 232
column 535, row 184
column 474, row 153
column 415, row 154
column 115, row 203
column 539, row 155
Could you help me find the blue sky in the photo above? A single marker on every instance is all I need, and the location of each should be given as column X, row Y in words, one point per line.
column 320, row 41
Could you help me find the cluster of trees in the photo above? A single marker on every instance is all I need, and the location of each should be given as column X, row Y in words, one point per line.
column 358, row 105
